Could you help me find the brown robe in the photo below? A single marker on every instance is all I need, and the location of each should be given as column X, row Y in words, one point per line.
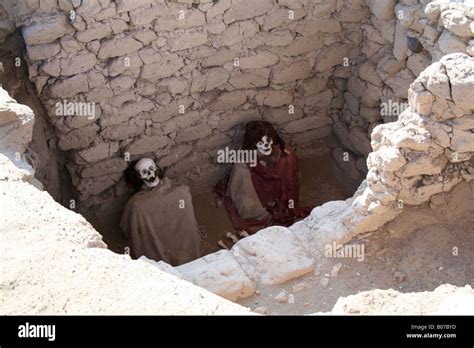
column 158, row 226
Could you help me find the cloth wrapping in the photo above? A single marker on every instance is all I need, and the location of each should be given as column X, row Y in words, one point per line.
column 161, row 225
column 264, row 195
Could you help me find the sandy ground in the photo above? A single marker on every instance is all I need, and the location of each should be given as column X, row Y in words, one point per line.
column 421, row 250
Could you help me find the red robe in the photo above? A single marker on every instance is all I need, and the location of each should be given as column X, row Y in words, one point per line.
column 277, row 187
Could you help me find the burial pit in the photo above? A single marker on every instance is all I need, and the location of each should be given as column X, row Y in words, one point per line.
column 110, row 82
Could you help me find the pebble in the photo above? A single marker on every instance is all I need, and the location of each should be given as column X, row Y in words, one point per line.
column 324, row 281
column 335, row 270
column 281, row 297
column 261, row 310
column 298, row 287
column 440, row 269
column 399, row 277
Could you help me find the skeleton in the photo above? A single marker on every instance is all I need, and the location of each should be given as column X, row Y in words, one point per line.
column 258, row 196
column 147, row 171
column 159, row 219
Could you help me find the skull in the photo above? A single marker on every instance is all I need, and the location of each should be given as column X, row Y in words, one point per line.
column 264, row 146
column 146, row 171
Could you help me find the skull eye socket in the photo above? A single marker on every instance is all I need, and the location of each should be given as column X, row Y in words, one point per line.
column 260, row 143
column 151, row 168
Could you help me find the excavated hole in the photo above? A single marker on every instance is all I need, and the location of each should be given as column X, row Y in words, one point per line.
column 322, row 177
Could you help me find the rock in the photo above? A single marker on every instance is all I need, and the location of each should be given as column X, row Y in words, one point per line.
column 258, row 61
column 169, row 23
column 105, row 167
column 125, row 64
column 121, row 84
column 261, row 310
column 165, row 67
column 276, row 38
column 324, row 282
column 272, row 256
column 386, row 158
column 274, row 98
column 417, row 63
column 78, row 138
column 383, row 9
column 217, row 9
column 47, row 31
column 437, row 82
column 144, row 16
column 335, row 269
column 288, row 73
column 228, row 101
column 323, row 8
column 279, row 17
column 424, row 165
column 414, row 44
column 313, row 85
column 161, row 265
column 118, row 47
column 282, row 115
column 254, row 79
column 186, row 41
column 322, row 25
column 16, row 124
column 299, row 287
column 219, row 273
column 209, row 80
column 40, row 52
column 128, row 111
column 236, row 118
column 303, row 45
column 126, row 6
column 124, row 130
column 449, row 43
column 96, row 32
column 307, row 123
column 462, row 141
column 444, row 300
column 367, row 72
column 399, row 277
column 432, row 11
column 281, row 297
column 460, row 70
column 245, row 9
column 331, row 56
column 99, row 151
column 456, row 22
column 78, row 64
column 193, row 133
column 400, row 83
column 220, row 57
column 400, row 46
column 146, row 144
column 360, row 141
column 69, row 87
